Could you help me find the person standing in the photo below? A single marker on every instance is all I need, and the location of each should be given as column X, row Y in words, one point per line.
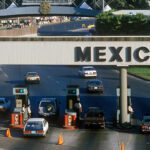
column 25, row 113
column 29, row 111
column 78, row 109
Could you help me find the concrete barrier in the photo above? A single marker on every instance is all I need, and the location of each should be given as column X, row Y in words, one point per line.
column 19, row 32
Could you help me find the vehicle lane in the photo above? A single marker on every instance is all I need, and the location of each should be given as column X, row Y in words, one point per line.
column 58, row 77
column 79, row 140
column 54, row 80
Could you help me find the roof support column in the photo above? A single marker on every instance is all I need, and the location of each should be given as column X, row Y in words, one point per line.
column 123, row 95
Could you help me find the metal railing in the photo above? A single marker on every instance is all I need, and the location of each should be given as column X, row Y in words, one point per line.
column 34, row 2
column 3, row 4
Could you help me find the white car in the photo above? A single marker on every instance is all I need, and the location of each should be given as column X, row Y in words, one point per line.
column 4, row 104
column 36, row 127
column 32, row 77
column 87, row 71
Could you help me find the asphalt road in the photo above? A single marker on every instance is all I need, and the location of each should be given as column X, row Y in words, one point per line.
column 54, row 80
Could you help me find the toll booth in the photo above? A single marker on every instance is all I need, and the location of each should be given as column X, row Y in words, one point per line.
column 129, row 105
column 73, row 94
column 21, row 99
column 70, row 116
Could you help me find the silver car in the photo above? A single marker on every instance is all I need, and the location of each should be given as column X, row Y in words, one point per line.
column 87, row 71
column 48, row 107
column 32, row 77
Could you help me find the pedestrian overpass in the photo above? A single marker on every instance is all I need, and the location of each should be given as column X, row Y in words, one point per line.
column 52, row 7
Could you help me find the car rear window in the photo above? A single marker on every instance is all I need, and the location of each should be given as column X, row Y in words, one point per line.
column 32, row 74
column 88, row 69
column 45, row 104
column 34, row 126
column 1, row 102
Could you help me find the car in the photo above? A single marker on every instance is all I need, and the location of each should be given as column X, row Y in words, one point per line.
column 48, row 107
column 145, row 125
column 91, row 26
column 95, row 85
column 94, row 116
column 4, row 104
column 87, row 71
column 36, row 127
column 32, row 77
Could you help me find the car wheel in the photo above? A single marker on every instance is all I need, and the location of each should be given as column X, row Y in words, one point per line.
column 47, row 131
column 45, row 134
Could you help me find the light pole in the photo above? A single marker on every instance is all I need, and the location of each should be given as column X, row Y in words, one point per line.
column 103, row 5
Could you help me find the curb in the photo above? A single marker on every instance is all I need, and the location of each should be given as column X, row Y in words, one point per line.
column 138, row 76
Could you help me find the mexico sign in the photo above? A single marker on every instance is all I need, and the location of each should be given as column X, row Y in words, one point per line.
column 112, row 51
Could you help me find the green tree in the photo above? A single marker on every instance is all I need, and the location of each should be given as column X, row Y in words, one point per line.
column 129, row 4
column 118, row 4
column 110, row 24
column 139, row 4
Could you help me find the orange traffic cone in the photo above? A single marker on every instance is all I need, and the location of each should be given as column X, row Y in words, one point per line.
column 60, row 139
column 122, row 147
column 8, row 134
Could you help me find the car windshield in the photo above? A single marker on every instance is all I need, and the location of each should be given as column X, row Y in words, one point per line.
column 32, row 74
column 35, row 125
column 95, row 82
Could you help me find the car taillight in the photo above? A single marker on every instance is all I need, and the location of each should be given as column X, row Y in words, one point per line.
column 144, row 127
column 40, row 131
column 27, row 132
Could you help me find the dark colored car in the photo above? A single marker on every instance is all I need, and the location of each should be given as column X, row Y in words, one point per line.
column 4, row 104
column 145, row 126
column 95, row 85
column 94, row 116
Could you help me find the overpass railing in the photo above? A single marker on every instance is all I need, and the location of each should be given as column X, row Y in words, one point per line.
column 55, row 2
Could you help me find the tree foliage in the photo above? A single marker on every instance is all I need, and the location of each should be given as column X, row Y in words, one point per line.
column 110, row 24
column 129, row 4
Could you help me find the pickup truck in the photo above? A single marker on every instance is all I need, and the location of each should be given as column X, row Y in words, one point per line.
column 94, row 116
